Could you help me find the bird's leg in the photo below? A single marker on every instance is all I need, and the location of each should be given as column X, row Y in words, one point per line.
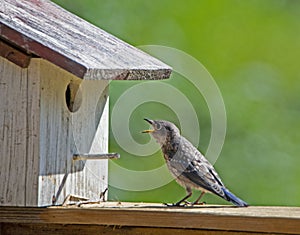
column 189, row 191
column 198, row 199
column 102, row 194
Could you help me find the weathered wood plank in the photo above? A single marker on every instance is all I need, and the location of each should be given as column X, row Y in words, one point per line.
column 33, row 133
column 12, row 172
column 54, row 133
column 71, row 229
column 91, row 119
column 283, row 220
column 64, row 133
column 18, row 142
column 48, row 31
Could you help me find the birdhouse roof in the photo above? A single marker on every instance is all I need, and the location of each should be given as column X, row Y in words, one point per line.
column 43, row 29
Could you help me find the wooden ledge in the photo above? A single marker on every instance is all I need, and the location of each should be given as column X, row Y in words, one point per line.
column 283, row 220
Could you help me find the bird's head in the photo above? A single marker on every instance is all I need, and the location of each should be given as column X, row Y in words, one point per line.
column 162, row 130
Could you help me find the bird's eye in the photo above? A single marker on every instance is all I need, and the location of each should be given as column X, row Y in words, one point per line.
column 158, row 126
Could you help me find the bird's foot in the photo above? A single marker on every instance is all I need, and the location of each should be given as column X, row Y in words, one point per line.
column 178, row 204
column 174, row 205
column 191, row 204
column 184, row 204
column 198, row 203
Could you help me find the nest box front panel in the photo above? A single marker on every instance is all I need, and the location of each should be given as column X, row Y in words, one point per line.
column 74, row 119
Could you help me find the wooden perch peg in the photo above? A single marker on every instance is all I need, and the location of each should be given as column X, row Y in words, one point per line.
column 100, row 156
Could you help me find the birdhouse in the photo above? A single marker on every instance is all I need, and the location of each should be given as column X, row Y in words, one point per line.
column 54, row 77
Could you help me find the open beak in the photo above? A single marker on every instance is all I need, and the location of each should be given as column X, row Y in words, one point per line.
column 151, row 122
column 148, row 120
column 147, row 131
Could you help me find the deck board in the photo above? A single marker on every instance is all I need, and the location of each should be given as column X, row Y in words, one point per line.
column 254, row 219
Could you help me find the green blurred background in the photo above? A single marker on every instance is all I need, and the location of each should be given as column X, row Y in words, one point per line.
column 252, row 49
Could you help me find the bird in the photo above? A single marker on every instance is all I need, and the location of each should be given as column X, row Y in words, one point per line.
column 188, row 165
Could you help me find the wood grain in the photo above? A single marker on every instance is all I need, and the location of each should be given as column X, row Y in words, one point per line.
column 33, row 133
column 64, row 133
column 39, row 135
column 46, row 30
column 19, row 133
column 19, row 58
column 283, row 220
column 71, row 229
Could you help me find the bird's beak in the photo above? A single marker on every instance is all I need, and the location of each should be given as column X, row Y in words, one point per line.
column 148, row 120
column 151, row 122
column 147, row 131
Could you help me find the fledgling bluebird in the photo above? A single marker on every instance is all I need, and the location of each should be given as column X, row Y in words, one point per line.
column 189, row 167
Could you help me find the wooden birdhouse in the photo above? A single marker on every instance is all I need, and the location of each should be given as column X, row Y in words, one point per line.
column 54, row 77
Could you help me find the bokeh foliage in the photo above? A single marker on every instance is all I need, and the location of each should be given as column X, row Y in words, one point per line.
column 252, row 49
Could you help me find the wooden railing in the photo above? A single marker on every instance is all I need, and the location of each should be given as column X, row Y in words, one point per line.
column 145, row 218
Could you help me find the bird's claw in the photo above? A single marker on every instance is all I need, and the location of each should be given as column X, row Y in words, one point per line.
column 198, row 203
column 178, row 204
column 184, row 204
column 174, row 205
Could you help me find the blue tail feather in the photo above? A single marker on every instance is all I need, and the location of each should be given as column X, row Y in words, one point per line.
column 233, row 199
